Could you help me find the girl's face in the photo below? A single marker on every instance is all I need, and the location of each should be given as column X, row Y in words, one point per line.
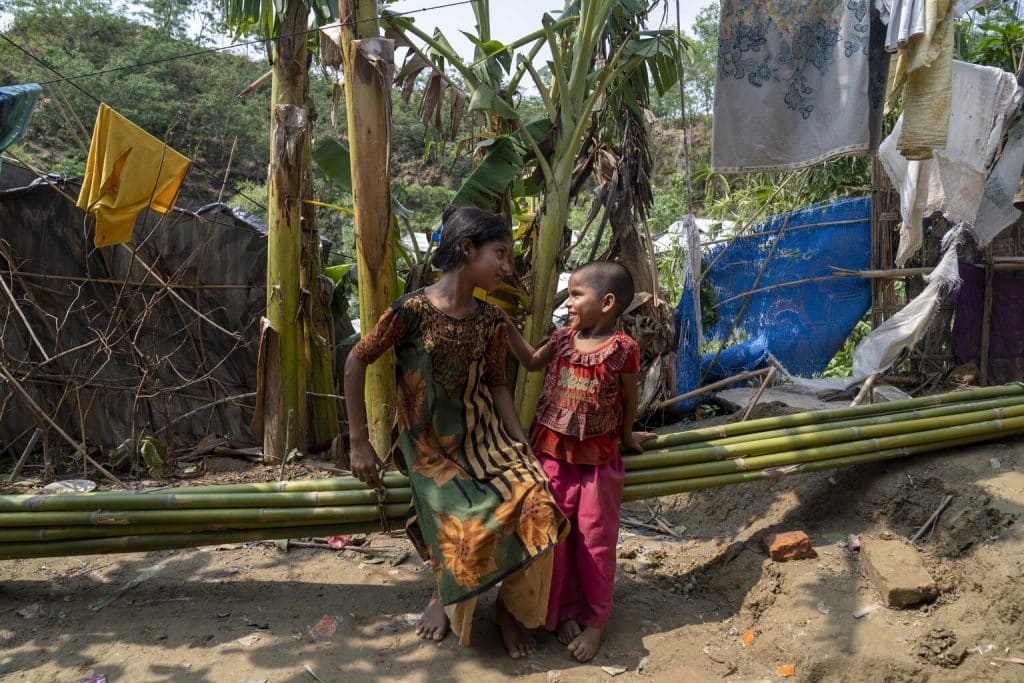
column 488, row 264
column 587, row 307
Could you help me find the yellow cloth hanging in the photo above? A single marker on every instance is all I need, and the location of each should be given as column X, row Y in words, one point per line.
column 128, row 169
column 923, row 71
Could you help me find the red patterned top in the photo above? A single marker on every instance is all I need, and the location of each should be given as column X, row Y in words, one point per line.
column 582, row 396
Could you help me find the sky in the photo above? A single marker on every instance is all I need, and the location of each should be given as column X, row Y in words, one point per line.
column 511, row 19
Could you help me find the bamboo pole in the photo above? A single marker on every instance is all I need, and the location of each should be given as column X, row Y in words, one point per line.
column 711, row 387
column 668, row 488
column 211, row 519
column 143, row 543
column 812, row 453
column 182, row 501
column 368, row 62
column 830, row 436
column 140, row 543
column 839, row 424
column 819, row 416
column 760, row 392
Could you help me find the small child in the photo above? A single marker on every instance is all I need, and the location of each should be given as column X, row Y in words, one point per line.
column 588, row 405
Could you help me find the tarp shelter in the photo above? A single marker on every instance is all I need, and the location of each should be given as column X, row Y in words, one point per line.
column 115, row 354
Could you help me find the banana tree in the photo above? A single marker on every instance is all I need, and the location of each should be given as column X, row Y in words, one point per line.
column 585, row 69
column 295, row 354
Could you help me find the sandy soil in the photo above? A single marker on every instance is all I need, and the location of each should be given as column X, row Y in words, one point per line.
column 243, row 612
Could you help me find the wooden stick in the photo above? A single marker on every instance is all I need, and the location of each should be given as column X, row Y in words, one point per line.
column 205, row 406
column 889, row 274
column 711, row 387
column 175, row 295
column 932, row 519
column 256, row 85
column 34, row 407
column 865, row 391
column 757, row 397
column 24, row 456
column 227, row 170
column 124, row 283
column 986, row 326
column 21, row 314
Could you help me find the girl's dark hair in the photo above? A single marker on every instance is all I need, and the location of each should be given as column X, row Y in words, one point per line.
column 461, row 223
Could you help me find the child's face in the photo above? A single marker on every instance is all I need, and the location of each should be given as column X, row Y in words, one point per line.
column 586, row 305
column 488, row 264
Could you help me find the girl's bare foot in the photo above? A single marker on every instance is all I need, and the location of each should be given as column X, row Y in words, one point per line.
column 517, row 639
column 587, row 643
column 433, row 625
column 568, row 631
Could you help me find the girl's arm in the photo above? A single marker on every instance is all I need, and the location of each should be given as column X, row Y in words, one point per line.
column 530, row 358
column 631, row 440
column 507, row 412
column 364, row 460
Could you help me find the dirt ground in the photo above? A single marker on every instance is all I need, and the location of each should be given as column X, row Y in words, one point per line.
column 243, row 612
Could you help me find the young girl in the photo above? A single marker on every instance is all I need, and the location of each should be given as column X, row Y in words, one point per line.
column 588, row 404
column 481, row 511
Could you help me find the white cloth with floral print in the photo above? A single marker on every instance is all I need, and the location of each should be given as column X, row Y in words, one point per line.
column 792, row 83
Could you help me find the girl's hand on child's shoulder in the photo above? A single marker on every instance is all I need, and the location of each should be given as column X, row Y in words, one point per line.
column 634, row 441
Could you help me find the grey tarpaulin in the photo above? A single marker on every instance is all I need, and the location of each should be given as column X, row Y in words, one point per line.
column 127, row 357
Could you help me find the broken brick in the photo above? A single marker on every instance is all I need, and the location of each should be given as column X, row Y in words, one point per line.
column 789, row 545
column 896, row 572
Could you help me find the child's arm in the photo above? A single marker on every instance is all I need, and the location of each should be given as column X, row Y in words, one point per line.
column 631, row 440
column 509, row 417
column 530, row 358
column 364, row 460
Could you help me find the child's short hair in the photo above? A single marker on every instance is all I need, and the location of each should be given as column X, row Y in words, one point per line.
column 464, row 222
column 609, row 277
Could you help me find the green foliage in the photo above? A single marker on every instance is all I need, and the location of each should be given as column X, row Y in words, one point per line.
column 993, row 35
column 841, row 364
column 188, row 102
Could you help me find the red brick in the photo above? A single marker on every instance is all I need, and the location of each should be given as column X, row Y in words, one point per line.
column 789, row 545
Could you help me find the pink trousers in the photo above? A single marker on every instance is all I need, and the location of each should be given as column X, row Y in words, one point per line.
column 583, row 574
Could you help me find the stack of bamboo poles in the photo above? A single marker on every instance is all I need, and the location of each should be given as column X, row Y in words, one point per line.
column 94, row 523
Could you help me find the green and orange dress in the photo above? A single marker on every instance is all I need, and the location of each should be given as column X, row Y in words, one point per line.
column 481, row 510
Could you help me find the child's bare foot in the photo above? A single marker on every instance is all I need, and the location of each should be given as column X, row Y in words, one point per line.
column 587, row 643
column 568, row 631
column 517, row 639
column 433, row 625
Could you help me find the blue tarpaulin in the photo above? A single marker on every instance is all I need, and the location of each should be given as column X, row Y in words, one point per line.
column 801, row 325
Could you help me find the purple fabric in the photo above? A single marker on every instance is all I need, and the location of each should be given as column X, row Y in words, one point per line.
column 1006, row 336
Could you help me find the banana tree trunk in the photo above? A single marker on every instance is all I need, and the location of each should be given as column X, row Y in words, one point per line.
column 368, row 63
column 282, row 385
column 318, row 328
column 546, row 266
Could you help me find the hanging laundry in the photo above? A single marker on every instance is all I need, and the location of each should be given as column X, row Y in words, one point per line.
column 128, row 169
column 998, row 210
column 952, row 182
column 905, row 20
column 792, row 83
column 16, row 105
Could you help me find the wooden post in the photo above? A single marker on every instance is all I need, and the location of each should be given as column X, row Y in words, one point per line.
column 368, row 63
column 986, row 326
column 283, row 384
